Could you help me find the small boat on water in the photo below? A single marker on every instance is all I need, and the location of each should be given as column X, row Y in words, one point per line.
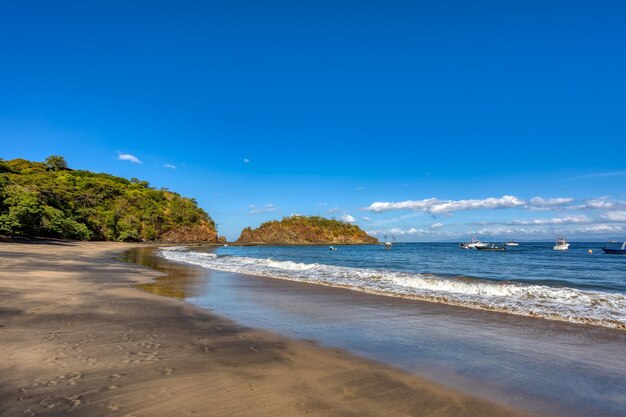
column 332, row 248
column 561, row 244
column 615, row 251
column 492, row 247
column 474, row 244
column 511, row 243
column 388, row 243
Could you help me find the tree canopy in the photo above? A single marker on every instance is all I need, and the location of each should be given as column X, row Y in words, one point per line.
column 56, row 162
column 50, row 200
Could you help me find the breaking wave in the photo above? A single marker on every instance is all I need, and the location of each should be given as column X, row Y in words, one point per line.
column 555, row 303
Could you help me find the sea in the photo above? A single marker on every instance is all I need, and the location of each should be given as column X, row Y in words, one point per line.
column 532, row 328
column 530, row 279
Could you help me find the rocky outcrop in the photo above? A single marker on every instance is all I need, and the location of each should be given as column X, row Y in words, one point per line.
column 301, row 230
column 198, row 233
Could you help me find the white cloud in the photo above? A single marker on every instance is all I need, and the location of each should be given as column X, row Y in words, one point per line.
column 597, row 175
column 582, row 219
column 539, row 202
column 601, row 203
column 435, row 206
column 334, row 210
column 415, row 232
column 246, row 161
column 367, row 219
column 436, row 226
column 348, row 219
column 268, row 208
column 600, row 228
column 128, row 157
column 614, row 216
column 493, row 231
column 170, row 166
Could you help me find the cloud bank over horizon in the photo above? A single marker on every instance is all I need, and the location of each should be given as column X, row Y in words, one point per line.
column 592, row 217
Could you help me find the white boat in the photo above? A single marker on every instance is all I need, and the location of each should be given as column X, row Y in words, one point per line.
column 511, row 243
column 388, row 243
column 561, row 244
column 474, row 244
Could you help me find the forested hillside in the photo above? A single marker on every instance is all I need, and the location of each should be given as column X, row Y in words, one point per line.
column 50, row 200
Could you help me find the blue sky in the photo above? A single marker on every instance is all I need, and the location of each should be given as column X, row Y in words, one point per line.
column 266, row 110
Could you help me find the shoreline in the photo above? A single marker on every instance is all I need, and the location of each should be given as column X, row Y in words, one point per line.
column 78, row 339
column 544, row 358
column 527, row 299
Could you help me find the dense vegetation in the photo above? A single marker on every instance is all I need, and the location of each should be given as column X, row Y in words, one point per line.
column 50, row 200
column 305, row 230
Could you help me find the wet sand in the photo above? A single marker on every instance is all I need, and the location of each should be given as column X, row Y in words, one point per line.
column 77, row 338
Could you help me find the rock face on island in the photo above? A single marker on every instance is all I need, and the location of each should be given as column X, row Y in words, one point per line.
column 300, row 230
column 48, row 199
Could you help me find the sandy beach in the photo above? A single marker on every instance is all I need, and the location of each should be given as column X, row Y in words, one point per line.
column 77, row 338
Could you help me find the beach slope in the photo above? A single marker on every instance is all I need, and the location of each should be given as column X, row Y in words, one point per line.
column 77, row 338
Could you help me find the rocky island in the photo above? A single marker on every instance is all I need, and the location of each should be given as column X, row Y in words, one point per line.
column 302, row 230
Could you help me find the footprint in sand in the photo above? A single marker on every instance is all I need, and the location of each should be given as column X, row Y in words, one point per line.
column 127, row 337
column 52, row 336
column 141, row 357
column 167, row 371
column 91, row 361
column 150, row 345
column 74, row 378
column 74, row 400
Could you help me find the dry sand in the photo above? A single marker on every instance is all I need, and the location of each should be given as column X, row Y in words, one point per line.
column 77, row 338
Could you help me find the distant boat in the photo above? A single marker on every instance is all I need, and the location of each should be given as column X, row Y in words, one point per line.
column 474, row 244
column 332, row 248
column 388, row 244
column 511, row 243
column 615, row 251
column 492, row 247
column 561, row 244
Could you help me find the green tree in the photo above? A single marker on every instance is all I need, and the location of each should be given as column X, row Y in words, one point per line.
column 56, row 224
column 24, row 214
column 48, row 200
column 56, row 163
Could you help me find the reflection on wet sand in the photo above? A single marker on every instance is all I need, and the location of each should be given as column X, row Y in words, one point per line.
column 179, row 281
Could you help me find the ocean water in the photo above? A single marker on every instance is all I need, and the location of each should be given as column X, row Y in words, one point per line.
column 528, row 280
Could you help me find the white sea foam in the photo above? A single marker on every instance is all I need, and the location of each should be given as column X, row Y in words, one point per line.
column 557, row 303
column 174, row 248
